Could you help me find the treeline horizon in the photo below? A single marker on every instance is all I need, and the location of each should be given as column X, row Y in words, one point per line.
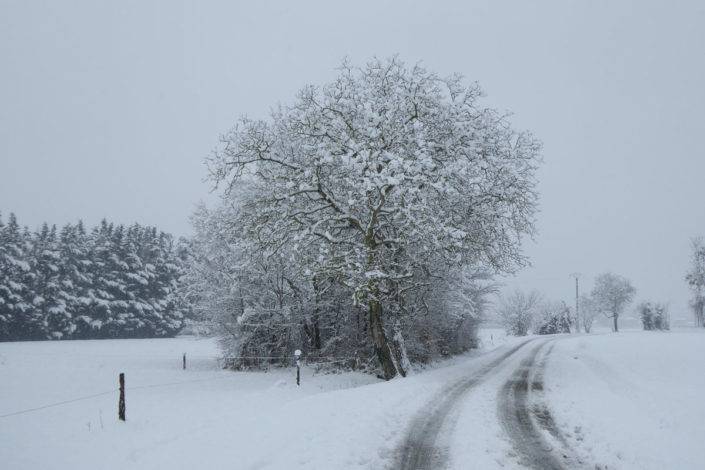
column 112, row 281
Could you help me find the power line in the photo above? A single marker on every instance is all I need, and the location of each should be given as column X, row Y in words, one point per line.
column 531, row 281
column 183, row 382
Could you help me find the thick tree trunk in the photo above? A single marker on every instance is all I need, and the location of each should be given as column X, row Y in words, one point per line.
column 316, row 332
column 380, row 339
column 616, row 328
column 399, row 350
column 316, row 316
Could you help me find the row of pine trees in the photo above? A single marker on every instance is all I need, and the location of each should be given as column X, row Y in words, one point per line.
column 110, row 282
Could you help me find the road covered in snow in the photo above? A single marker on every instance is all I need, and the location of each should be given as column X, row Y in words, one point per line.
column 631, row 400
column 508, row 427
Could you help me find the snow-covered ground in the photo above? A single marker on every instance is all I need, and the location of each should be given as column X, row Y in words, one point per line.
column 637, row 398
column 633, row 400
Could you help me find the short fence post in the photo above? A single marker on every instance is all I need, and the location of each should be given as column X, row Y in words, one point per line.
column 121, row 404
column 297, row 353
column 184, row 361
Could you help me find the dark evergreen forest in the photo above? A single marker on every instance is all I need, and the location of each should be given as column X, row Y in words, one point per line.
column 109, row 282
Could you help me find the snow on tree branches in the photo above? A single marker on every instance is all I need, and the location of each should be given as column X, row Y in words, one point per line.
column 517, row 311
column 114, row 282
column 611, row 295
column 384, row 180
column 553, row 318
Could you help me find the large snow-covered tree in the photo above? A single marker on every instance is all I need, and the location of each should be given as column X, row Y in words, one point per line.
column 611, row 294
column 388, row 175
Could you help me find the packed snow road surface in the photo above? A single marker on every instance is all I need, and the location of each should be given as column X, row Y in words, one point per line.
column 522, row 416
column 419, row 449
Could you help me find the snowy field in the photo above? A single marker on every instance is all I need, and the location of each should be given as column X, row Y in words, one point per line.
column 633, row 400
column 636, row 399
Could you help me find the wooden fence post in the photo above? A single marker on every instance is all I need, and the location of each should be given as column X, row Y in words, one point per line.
column 184, row 361
column 121, row 404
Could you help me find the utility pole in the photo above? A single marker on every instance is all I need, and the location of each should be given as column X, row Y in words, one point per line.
column 577, row 308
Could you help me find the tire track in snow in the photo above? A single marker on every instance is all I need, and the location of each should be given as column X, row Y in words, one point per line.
column 541, row 411
column 515, row 410
column 419, row 450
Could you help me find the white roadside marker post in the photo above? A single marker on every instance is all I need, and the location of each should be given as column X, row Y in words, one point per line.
column 297, row 353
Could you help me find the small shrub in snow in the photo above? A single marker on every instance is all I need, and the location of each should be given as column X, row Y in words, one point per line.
column 517, row 311
column 552, row 318
column 654, row 316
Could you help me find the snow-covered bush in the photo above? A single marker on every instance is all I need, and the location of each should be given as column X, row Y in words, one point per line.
column 263, row 309
column 517, row 310
column 552, row 318
column 654, row 316
column 456, row 307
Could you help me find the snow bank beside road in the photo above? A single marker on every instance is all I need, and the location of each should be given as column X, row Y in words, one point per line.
column 631, row 400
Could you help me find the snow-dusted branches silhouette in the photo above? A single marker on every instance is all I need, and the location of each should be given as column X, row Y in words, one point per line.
column 383, row 180
column 611, row 295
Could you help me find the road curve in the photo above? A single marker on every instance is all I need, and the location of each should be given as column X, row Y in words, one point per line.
column 419, row 450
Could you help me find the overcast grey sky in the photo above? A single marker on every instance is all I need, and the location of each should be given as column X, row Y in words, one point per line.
column 108, row 109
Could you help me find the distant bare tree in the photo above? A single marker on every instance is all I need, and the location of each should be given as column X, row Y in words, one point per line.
column 698, row 307
column 611, row 294
column 696, row 280
column 517, row 310
column 588, row 312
